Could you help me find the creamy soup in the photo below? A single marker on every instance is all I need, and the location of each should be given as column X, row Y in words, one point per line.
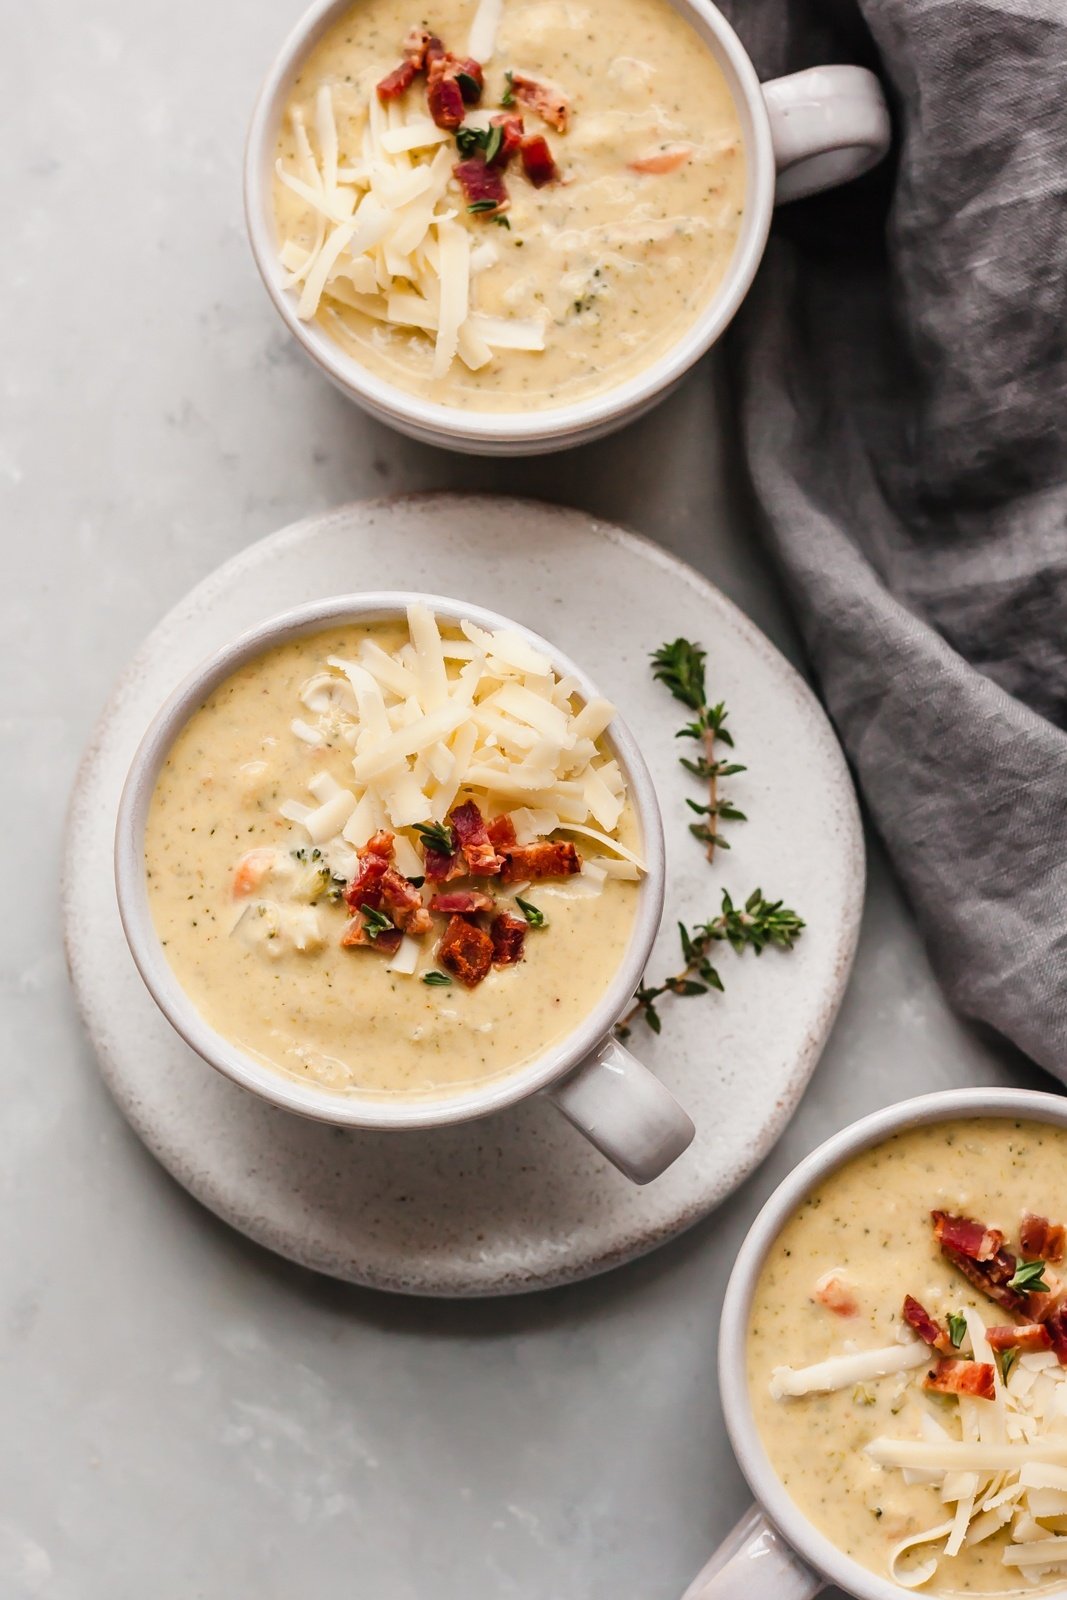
column 876, row 1446
column 556, row 242
column 325, row 937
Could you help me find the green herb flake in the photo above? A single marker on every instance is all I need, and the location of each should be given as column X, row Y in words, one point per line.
column 957, row 1328
column 1029, row 1278
column 535, row 917
column 376, row 922
column 508, row 97
column 437, row 980
column 436, row 836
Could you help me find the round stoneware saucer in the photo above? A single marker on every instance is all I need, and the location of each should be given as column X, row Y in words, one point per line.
column 518, row 1201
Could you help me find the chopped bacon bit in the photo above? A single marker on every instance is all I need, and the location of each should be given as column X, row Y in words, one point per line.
column 466, row 951
column 443, row 93
column 967, row 1237
column 379, row 844
column 462, row 902
column 1026, row 1336
column 501, row 833
column 435, row 51
column 927, row 1327
column 1056, row 1327
column 833, row 1292
column 417, row 42
column 397, row 82
column 1041, row 1239
column 537, row 160
column 471, row 70
column 992, row 1278
column 511, row 131
column 251, row 871
column 547, row 99
column 365, row 887
column 973, row 1378
column 660, row 162
column 482, row 185
column 1040, row 1306
column 355, row 935
column 405, row 903
column 508, row 934
column 442, row 868
column 470, row 830
column 547, row 858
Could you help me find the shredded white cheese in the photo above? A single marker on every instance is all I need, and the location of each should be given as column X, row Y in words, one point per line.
column 384, row 239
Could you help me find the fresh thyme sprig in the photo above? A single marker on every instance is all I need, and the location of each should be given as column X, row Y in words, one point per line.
column 754, row 926
column 680, row 668
column 535, row 917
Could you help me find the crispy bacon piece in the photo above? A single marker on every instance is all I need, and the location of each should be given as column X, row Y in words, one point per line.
column 471, row 70
column 836, row 1294
column 974, row 1378
column 992, row 1278
column 355, row 935
column 547, row 99
column 966, row 1237
column 365, row 887
column 1041, row 1239
column 417, row 42
column 482, row 185
column 379, row 844
column 462, row 902
column 1026, row 1336
column 546, row 858
column 397, row 82
column 441, row 868
column 537, row 161
column 466, row 951
column 405, row 903
column 501, row 833
column 511, row 132
column 470, row 830
column 659, row 162
column 508, row 934
column 443, row 93
column 927, row 1327
column 1056, row 1327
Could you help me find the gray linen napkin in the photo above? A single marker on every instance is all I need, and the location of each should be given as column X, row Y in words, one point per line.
column 901, row 378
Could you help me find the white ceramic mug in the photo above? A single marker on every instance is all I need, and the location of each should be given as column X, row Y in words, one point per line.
column 775, row 1553
column 802, row 133
column 621, row 1107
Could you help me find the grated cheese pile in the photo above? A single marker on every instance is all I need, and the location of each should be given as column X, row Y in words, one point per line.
column 387, row 240
column 482, row 714
column 1005, row 1469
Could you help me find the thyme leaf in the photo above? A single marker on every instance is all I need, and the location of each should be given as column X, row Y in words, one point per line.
column 376, row 922
column 436, row 836
column 1029, row 1278
column 437, row 980
column 957, row 1328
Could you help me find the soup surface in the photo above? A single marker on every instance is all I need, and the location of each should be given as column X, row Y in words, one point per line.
column 552, row 266
column 832, row 1291
column 257, row 834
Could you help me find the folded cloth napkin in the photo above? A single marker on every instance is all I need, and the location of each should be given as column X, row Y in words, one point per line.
column 901, row 377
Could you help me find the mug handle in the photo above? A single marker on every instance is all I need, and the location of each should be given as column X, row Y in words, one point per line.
column 625, row 1111
column 754, row 1563
column 828, row 125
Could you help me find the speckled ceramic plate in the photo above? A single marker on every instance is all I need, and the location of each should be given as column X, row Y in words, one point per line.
column 518, row 1201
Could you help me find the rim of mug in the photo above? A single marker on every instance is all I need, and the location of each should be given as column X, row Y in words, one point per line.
column 352, row 1109
column 812, row 1546
column 580, row 417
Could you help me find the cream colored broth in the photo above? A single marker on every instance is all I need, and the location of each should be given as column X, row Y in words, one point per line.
column 333, row 1015
column 872, row 1218
column 618, row 263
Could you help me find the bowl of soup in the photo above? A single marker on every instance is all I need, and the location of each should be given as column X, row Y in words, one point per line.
column 510, row 225
column 392, row 861
column 893, row 1358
